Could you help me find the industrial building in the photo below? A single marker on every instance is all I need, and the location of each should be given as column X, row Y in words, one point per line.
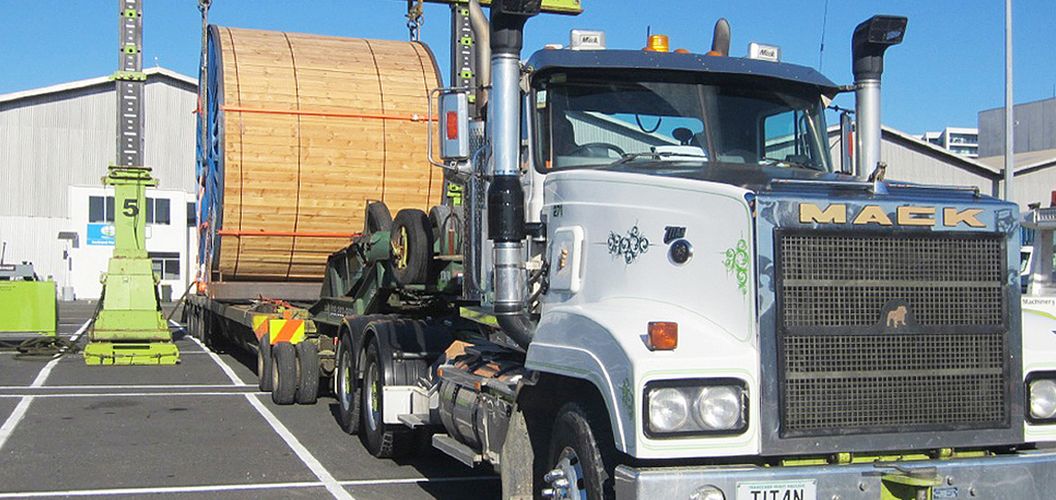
column 913, row 160
column 959, row 140
column 55, row 145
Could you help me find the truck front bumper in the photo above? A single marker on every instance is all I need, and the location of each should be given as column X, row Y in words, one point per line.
column 1025, row 475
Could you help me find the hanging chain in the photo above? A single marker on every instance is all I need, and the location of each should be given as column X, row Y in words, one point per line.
column 415, row 19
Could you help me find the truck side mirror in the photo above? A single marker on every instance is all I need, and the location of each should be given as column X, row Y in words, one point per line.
column 454, row 126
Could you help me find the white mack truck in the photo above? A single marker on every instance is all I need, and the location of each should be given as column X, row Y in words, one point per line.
column 648, row 281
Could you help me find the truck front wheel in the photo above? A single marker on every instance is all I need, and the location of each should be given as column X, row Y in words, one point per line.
column 580, row 461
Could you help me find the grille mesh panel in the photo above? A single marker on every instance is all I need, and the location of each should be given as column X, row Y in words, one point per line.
column 841, row 376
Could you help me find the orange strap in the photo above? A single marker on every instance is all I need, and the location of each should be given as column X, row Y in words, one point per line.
column 292, row 234
column 296, row 112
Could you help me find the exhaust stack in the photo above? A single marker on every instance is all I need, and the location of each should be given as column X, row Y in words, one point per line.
column 871, row 38
column 505, row 194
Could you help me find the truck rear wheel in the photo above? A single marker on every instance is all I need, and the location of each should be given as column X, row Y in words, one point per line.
column 581, row 455
column 346, row 388
column 412, row 247
column 382, row 440
column 308, row 367
column 284, row 373
column 264, row 364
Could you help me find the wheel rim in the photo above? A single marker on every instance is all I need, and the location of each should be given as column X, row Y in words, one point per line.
column 566, row 480
column 344, row 383
column 372, row 397
column 400, row 249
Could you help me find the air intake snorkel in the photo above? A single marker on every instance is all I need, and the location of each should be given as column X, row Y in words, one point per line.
column 505, row 195
column 871, row 38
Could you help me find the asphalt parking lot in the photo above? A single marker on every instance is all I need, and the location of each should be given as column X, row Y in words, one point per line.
column 196, row 430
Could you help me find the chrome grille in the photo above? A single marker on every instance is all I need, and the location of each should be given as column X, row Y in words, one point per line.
column 847, row 280
column 844, row 372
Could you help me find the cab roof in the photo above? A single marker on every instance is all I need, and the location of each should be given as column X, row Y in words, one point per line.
column 552, row 60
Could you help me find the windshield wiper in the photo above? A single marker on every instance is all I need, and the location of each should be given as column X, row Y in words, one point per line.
column 796, row 164
column 656, row 155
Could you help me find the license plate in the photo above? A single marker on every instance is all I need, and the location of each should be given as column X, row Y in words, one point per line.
column 778, row 490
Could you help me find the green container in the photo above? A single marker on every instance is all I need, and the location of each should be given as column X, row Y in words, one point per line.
column 27, row 308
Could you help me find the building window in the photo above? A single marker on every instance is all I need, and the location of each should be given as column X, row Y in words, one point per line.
column 100, row 209
column 192, row 214
column 166, row 264
column 158, row 211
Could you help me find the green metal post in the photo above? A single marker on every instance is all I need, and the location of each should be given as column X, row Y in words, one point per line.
column 130, row 329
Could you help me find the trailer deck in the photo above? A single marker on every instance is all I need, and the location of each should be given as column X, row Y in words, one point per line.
column 200, row 429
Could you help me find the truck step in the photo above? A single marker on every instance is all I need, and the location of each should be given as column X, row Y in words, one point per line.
column 456, row 450
column 413, row 420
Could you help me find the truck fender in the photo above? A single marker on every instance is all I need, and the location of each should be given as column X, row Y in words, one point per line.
column 411, row 345
column 609, row 370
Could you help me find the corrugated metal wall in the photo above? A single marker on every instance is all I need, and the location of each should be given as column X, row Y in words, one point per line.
column 911, row 165
column 67, row 138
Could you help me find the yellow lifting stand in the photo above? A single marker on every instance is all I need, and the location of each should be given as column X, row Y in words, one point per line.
column 129, row 328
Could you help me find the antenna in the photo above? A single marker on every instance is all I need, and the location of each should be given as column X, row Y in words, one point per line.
column 824, row 22
column 3, row 253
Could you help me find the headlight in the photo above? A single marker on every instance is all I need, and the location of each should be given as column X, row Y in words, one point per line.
column 688, row 407
column 668, row 409
column 719, row 408
column 1043, row 399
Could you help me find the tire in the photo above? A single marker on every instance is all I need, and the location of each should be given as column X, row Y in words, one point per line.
column 581, row 445
column 284, row 375
column 378, row 218
column 265, row 364
column 381, row 440
column 412, row 247
column 440, row 220
column 347, row 388
column 308, row 367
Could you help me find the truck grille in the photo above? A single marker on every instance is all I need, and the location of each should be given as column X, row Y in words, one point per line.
column 845, row 370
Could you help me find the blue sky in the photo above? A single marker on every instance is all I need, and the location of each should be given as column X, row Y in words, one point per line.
column 949, row 68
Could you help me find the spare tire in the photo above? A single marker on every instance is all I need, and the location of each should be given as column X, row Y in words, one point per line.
column 378, row 218
column 412, row 247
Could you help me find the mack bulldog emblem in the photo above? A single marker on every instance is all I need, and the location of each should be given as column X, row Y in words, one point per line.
column 896, row 317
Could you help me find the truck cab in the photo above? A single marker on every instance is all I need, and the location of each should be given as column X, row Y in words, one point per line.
column 718, row 295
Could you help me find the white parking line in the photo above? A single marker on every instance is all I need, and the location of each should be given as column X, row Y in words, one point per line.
column 127, row 394
column 123, row 386
column 236, row 487
column 306, row 456
column 20, row 410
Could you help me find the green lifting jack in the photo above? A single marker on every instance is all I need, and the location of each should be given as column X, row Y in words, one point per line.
column 129, row 328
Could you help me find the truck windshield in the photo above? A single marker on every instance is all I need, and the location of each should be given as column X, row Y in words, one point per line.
column 597, row 123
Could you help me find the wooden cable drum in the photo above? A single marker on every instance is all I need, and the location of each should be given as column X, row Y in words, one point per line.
column 301, row 131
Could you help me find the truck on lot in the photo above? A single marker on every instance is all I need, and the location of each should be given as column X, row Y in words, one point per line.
column 646, row 281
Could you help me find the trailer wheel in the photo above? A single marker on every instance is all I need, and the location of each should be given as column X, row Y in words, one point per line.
column 308, row 368
column 412, row 247
column 284, row 374
column 378, row 218
column 580, row 461
column 264, row 364
column 382, row 440
column 346, row 388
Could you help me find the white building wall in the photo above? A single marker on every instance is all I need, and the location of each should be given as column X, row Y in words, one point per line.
column 55, row 147
column 92, row 257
